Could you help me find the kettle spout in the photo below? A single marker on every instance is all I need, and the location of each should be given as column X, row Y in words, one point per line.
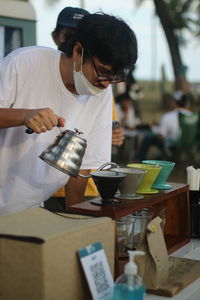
column 111, row 164
column 84, row 176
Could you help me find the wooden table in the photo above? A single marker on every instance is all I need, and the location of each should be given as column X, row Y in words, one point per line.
column 192, row 291
column 176, row 204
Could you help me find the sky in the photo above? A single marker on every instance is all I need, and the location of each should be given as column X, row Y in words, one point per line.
column 152, row 45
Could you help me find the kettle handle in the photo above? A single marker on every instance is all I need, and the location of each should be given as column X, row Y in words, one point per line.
column 111, row 164
column 30, row 130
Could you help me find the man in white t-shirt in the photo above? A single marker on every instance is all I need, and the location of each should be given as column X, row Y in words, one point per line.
column 42, row 88
column 66, row 24
column 168, row 131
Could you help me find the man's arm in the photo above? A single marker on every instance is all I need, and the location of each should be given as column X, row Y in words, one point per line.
column 75, row 189
column 10, row 117
column 34, row 118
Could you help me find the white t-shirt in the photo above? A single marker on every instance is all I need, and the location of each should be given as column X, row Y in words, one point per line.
column 30, row 78
column 169, row 124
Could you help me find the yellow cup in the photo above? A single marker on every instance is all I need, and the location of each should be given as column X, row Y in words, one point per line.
column 152, row 172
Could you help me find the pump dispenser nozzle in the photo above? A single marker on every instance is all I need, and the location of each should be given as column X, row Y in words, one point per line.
column 129, row 285
column 131, row 267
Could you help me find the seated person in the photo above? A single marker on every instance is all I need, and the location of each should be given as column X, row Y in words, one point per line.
column 168, row 130
column 129, row 122
column 126, row 112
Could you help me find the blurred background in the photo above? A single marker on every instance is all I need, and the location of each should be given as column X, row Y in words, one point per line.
column 168, row 33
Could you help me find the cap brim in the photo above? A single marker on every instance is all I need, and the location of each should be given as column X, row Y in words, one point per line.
column 67, row 25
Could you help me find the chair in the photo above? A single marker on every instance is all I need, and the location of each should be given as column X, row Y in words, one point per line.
column 186, row 148
column 198, row 127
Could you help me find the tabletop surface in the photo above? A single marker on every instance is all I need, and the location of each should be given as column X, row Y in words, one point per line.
column 118, row 211
column 191, row 292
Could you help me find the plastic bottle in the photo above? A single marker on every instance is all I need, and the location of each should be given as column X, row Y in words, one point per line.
column 129, row 286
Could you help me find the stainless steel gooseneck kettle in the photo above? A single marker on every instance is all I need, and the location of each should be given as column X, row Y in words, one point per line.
column 66, row 153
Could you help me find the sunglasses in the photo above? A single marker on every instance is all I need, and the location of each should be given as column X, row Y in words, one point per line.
column 106, row 77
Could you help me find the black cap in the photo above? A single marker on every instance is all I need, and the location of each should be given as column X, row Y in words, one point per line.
column 70, row 16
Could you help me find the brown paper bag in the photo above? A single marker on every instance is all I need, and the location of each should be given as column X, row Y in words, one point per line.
column 154, row 266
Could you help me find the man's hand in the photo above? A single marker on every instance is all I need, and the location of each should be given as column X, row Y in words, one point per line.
column 117, row 136
column 42, row 120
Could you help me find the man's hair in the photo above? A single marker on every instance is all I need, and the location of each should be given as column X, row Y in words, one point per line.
column 184, row 100
column 106, row 37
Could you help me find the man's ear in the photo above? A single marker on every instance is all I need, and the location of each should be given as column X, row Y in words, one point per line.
column 55, row 38
column 77, row 50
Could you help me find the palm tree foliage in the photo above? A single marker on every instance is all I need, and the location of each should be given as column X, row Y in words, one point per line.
column 177, row 16
column 185, row 15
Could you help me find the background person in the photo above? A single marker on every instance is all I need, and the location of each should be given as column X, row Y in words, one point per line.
column 168, row 130
column 126, row 112
column 66, row 24
column 129, row 121
column 41, row 88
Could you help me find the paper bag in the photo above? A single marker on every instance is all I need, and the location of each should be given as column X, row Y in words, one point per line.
column 154, row 266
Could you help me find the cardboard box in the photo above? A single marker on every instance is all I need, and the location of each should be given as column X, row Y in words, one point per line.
column 38, row 254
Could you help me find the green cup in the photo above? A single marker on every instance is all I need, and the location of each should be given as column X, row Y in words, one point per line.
column 149, row 178
column 167, row 167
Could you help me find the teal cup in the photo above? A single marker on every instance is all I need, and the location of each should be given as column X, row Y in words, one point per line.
column 167, row 167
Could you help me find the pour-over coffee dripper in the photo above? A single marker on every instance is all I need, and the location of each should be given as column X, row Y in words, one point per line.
column 167, row 167
column 129, row 185
column 152, row 172
column 107, row 183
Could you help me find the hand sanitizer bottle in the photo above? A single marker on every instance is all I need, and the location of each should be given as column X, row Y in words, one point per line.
column 129, row 286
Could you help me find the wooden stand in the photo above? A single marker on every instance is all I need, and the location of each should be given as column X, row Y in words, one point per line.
column 176, row 204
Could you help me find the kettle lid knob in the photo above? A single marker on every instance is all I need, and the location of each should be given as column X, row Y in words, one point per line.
column 77, row 131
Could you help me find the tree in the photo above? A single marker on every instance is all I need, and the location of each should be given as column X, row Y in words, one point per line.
column 176, row 16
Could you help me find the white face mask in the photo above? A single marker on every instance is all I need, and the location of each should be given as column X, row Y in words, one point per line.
column 82, row 85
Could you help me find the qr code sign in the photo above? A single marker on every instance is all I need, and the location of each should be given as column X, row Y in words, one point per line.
column 97, row 271
column 99, row 277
